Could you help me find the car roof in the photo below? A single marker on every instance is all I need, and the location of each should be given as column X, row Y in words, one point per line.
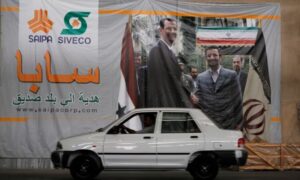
column 165, row 109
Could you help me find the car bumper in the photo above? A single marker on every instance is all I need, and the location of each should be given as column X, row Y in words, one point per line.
column 60, row 158
column 241, row 157
column 237, row 157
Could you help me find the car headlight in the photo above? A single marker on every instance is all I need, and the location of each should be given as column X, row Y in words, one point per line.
column 58, row 146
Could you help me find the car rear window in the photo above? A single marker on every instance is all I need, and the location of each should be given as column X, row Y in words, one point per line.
column 177, row 122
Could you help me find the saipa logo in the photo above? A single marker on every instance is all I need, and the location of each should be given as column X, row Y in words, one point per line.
column 40, row 23
column 78, row 25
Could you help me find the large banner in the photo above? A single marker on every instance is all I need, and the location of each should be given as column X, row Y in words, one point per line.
column 73, row 67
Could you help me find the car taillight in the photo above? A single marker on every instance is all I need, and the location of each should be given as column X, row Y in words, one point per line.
column 241, row 142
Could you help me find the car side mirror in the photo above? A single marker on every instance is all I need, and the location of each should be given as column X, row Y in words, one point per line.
column 114, row 130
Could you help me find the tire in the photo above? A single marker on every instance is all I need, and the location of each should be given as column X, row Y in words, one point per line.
column 204, row 167
column 85, row 167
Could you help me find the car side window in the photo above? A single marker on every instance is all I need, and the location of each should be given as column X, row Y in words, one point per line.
column 141, row 123
column 174, row 122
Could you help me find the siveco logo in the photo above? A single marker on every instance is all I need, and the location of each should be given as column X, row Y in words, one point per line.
column 40, row 22
column 78, row 25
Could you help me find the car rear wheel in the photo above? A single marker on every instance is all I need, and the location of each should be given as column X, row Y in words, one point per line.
column 205, row 167
column 85, row 167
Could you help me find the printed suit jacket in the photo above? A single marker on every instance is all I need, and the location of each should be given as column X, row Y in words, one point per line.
column 221, row 100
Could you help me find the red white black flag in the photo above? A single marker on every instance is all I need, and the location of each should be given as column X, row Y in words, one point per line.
column 127, row 99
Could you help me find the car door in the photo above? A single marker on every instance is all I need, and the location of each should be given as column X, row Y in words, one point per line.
column 178, row 138
column 134, row 143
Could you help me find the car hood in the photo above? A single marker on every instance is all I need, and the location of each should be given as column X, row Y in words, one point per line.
column 83, row 141
column 79, row 135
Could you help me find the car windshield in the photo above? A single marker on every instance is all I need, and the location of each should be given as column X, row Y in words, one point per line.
column 105, row 127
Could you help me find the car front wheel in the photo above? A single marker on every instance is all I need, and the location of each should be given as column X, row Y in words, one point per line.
column 84, row 167
column 205, row 167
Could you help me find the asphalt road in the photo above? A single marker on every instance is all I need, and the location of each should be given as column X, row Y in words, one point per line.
column 10, row 174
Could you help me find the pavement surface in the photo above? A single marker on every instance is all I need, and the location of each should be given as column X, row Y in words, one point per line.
column 30, row 174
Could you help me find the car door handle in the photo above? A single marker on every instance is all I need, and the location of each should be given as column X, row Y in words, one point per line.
column 194, row 137
column 147, row 137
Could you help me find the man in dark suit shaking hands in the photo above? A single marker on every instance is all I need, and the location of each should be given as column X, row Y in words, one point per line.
column 219, row 93
column 164, row 85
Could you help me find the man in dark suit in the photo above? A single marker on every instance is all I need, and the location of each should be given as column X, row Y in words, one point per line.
column 194, row 74
column 164, row 86
column 219, row 94
column 237, row 64
column 141, row 77
column 186, row 80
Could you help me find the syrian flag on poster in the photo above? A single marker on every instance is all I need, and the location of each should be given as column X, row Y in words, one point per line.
column 226, row 36
column 127, row 99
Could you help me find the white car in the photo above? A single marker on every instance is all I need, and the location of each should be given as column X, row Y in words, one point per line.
column 154, row 138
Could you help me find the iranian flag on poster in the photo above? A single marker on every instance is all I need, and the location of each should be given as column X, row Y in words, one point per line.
column 256, row 109
column 226, row 36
